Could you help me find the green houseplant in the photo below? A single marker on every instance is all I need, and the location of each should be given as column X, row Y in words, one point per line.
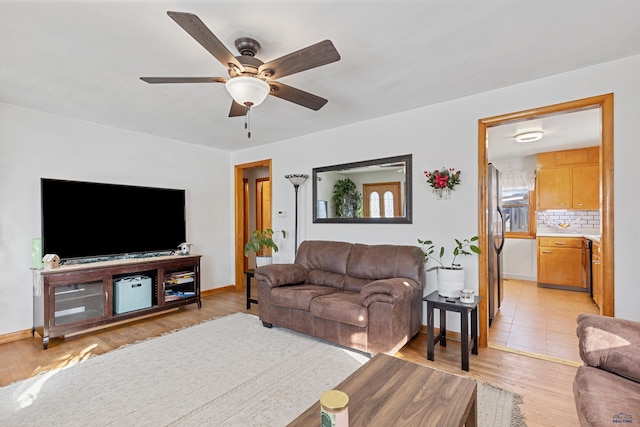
column 346, row 199
column 450, row 276
column 428, row 248
column 260, row 242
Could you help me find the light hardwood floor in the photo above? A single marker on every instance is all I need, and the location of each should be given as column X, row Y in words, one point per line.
column 546, row 387
column 540, row 320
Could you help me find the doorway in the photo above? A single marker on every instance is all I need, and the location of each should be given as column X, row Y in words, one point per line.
column 263, row 204
column 605, row 103
column 244, row 213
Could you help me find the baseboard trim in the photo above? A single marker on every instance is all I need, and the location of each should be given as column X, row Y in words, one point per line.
column 16, row 336
column 451, row 335
column 218, row 290
column 520, row 277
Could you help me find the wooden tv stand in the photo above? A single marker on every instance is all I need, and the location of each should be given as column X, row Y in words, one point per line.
column 73, row 298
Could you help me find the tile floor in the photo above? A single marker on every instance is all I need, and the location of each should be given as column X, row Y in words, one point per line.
column 539, row 320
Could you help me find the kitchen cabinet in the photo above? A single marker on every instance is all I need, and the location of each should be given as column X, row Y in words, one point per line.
column 585, row 184
column 554, row 189
column 596, row 274
column 562, row 263
column 580, row 156
column 569, row 179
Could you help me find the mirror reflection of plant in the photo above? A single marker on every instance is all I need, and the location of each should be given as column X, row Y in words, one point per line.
column 260, row 241
column 343, row 189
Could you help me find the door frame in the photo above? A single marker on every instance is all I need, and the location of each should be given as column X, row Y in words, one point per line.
column 239, row 213
column 605, row 103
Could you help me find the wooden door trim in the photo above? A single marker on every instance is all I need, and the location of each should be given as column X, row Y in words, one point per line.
column 245, row 220
column 238, row 189
column 605, row 103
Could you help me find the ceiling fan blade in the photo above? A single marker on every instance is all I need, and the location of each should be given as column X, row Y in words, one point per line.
column 296, row 96
column 203, row 35
column 154, row 80
column 318, row 54
column 237, row 110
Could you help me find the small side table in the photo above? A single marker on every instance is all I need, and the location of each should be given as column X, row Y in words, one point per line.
column 250, row 273
column 452, row 304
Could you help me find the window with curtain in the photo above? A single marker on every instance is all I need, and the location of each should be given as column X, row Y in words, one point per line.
column 518, row 203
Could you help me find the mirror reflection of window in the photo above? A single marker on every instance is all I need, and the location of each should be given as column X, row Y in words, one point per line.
column 388, row 204
column 374, row 205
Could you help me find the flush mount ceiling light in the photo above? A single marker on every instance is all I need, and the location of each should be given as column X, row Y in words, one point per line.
column 531, row 136
column 247, row 91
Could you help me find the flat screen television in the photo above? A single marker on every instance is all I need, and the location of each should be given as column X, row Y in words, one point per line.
column 89, row 219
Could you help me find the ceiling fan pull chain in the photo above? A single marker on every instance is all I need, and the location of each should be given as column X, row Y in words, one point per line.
column 247, row 120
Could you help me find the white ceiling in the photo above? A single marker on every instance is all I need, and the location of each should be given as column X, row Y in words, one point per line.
column 576, row 129
column 84, row 59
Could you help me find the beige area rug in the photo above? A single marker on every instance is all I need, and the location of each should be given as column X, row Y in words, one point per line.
column 230, row 371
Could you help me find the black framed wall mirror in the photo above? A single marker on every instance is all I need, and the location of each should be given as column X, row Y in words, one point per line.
column 372, row 191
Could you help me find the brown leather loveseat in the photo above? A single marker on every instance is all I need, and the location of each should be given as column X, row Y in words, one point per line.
column 607, row 387
column 366, row 297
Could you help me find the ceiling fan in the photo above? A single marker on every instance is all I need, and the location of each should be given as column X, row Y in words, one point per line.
column 251, row 80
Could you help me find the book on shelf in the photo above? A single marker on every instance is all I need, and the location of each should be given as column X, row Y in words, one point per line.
column 180, row 277
column 177, row 281
column 174, row 295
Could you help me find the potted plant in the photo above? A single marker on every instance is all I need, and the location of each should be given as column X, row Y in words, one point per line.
column 347, row 199
column 450, row 276
column 260, row 242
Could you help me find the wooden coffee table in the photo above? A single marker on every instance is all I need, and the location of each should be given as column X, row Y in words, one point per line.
column 388, row 391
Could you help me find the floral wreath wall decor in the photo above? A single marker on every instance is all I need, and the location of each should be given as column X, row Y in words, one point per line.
column 443, row 182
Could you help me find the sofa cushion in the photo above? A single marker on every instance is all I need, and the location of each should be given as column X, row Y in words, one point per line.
column 323, row 255
column 326, row 278
column 298, row 296
column 609, row 343
column 603, row 398
column 354, row 284
column 385, row 261
column 343, row 307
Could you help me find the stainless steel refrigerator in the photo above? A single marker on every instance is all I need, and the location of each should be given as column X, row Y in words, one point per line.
column 495, row 224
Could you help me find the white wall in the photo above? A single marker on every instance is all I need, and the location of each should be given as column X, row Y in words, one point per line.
column 446, row 135
column 519, row 258
column 35, row 145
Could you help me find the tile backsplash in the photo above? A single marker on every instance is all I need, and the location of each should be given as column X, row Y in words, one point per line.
column 587, row 222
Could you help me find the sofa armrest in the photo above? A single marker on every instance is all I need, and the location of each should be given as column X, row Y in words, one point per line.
column 611, row 344
column 281, row 274
column 387, row 290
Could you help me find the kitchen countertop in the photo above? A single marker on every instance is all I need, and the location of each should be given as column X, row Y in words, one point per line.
column 592, row 237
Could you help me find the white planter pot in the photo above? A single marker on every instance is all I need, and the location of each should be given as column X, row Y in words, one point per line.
column 450, row 282
column 264, row 260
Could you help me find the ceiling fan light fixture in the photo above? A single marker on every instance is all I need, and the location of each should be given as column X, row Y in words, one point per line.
column 249, row 91
column 530, row 136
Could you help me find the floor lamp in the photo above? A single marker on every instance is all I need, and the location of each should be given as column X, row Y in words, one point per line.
column 296, row 180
